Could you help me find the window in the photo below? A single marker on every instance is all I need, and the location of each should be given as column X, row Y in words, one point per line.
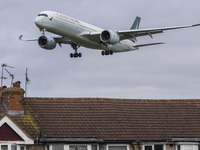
column 187, row 147
column 73, row 147
column 158, row 147
column 117, row 147
column 94, row 147
column 102, row 147
column 13, row 147
column 58, row 147
column 4, row 147
column 147, row 147
column 45, row 15
column 154, row 147
column 78, row 147
column 9, row 146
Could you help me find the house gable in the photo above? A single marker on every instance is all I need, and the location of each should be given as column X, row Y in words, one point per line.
column 8, row 134
column 8, row 126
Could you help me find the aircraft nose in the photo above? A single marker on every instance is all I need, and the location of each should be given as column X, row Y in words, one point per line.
column 38, row 22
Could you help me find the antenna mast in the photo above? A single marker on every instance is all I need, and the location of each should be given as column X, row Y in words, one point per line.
column 2, row 77
column 11, row 75
column 27, row 81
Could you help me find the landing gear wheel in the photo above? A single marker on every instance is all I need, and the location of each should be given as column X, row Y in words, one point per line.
column 71, row 55
column 75, row 55
column 79, row 55
column 108, row 52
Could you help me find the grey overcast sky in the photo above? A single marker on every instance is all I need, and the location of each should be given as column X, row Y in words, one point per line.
column 157, row 72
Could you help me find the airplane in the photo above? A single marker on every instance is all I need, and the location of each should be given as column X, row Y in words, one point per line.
column 76, row 33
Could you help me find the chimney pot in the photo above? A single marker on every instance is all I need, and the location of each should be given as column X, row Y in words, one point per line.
column 17, row 84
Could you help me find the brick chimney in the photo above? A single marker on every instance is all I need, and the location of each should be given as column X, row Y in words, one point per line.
column 13, row 99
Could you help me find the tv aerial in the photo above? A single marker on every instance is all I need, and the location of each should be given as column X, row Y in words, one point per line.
column 27, row 81
column 3, row 66
column 11, row 75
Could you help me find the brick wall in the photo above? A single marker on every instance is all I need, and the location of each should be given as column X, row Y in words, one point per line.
column 39, row 147
column 137, row 147
column 13, row 98
column 171, row 147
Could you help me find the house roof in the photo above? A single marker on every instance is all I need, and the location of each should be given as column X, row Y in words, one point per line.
column 1, row 110
column 111, row 119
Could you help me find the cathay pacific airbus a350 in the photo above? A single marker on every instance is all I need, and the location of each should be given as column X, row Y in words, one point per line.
column 77, row 33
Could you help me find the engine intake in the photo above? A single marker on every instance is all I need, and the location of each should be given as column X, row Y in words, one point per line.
column 47, row 42
column 110, row 37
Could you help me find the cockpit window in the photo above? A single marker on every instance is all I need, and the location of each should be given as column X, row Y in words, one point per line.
column 45, row 15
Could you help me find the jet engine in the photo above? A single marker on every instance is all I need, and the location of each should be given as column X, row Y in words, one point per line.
column 47, row 42
column 110, row 37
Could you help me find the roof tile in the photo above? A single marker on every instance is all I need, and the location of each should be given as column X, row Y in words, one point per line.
column 110, row 119
column 116, row 119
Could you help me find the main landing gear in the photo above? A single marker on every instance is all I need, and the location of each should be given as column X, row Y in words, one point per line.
column 43, row 31
column 107, row 52
column 76, row 54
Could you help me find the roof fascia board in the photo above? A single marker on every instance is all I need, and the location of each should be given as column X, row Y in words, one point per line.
column 186, row 140
column 13, row 142
column 70, row 140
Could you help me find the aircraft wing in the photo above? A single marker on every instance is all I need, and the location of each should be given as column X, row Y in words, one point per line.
column 59, row 39
column 21, row 39
column 93, row 36
column 127, row 34
column 150, row 44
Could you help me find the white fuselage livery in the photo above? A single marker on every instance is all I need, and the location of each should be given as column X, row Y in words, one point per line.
column 77, row 33
column 73, row 29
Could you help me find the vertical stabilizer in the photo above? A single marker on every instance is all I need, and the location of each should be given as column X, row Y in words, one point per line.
column 136, row 23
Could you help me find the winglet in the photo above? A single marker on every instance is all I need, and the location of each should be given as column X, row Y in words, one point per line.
column 196, row 25
column 20, row 37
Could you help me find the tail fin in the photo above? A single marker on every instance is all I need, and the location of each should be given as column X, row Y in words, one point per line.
column 136, row 23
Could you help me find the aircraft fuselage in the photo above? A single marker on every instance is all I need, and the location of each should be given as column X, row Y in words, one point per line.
column 73, row 29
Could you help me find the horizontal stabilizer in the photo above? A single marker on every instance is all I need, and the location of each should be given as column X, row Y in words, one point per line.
column 150, row 44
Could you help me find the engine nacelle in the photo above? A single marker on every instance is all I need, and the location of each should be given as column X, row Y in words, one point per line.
column 47, row 42
column 110, row 37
